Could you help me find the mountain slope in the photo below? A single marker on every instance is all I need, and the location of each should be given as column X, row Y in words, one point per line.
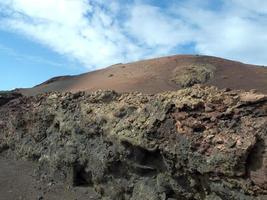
column 162, row 74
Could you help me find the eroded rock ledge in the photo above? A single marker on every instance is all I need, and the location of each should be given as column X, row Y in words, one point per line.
column 197, row 143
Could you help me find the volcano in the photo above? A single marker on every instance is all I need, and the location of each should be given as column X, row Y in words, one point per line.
column 161, row 74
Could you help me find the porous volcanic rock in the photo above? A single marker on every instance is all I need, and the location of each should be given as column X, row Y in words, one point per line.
column 5, row 97
column 196, row 143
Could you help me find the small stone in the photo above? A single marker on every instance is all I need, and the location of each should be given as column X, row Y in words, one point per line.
column 248, row 97
column 218, row 140
column 210, row 137
column 231, row 144
column 50, row 184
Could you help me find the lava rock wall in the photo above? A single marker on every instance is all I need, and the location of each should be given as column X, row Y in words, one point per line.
column 196, row 143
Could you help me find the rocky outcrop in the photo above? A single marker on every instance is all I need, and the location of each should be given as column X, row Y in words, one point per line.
column 198, row 73
column 5, row 97
column 197, row 143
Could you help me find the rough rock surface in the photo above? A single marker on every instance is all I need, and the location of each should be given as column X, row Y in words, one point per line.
column 5, row 97
column 196, row 143
column 198, row 73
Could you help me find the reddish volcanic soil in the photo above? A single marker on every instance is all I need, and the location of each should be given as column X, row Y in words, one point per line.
column 155, row 75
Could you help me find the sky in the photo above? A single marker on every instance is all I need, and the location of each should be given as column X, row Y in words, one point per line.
column 40, row 39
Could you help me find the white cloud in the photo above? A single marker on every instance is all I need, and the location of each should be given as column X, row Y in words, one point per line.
column 98, row 33
column 236, row 31
column 150, row 25
column 257, row 6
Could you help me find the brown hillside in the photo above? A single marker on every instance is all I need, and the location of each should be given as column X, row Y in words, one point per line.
column 162, row 74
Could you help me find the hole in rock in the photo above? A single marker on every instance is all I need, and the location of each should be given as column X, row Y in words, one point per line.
column 81, row 177
column 199, row 128
column 256, row 165
column 143, row 161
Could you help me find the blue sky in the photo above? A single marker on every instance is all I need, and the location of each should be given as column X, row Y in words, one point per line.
column 41, row 39
column 25, row 63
